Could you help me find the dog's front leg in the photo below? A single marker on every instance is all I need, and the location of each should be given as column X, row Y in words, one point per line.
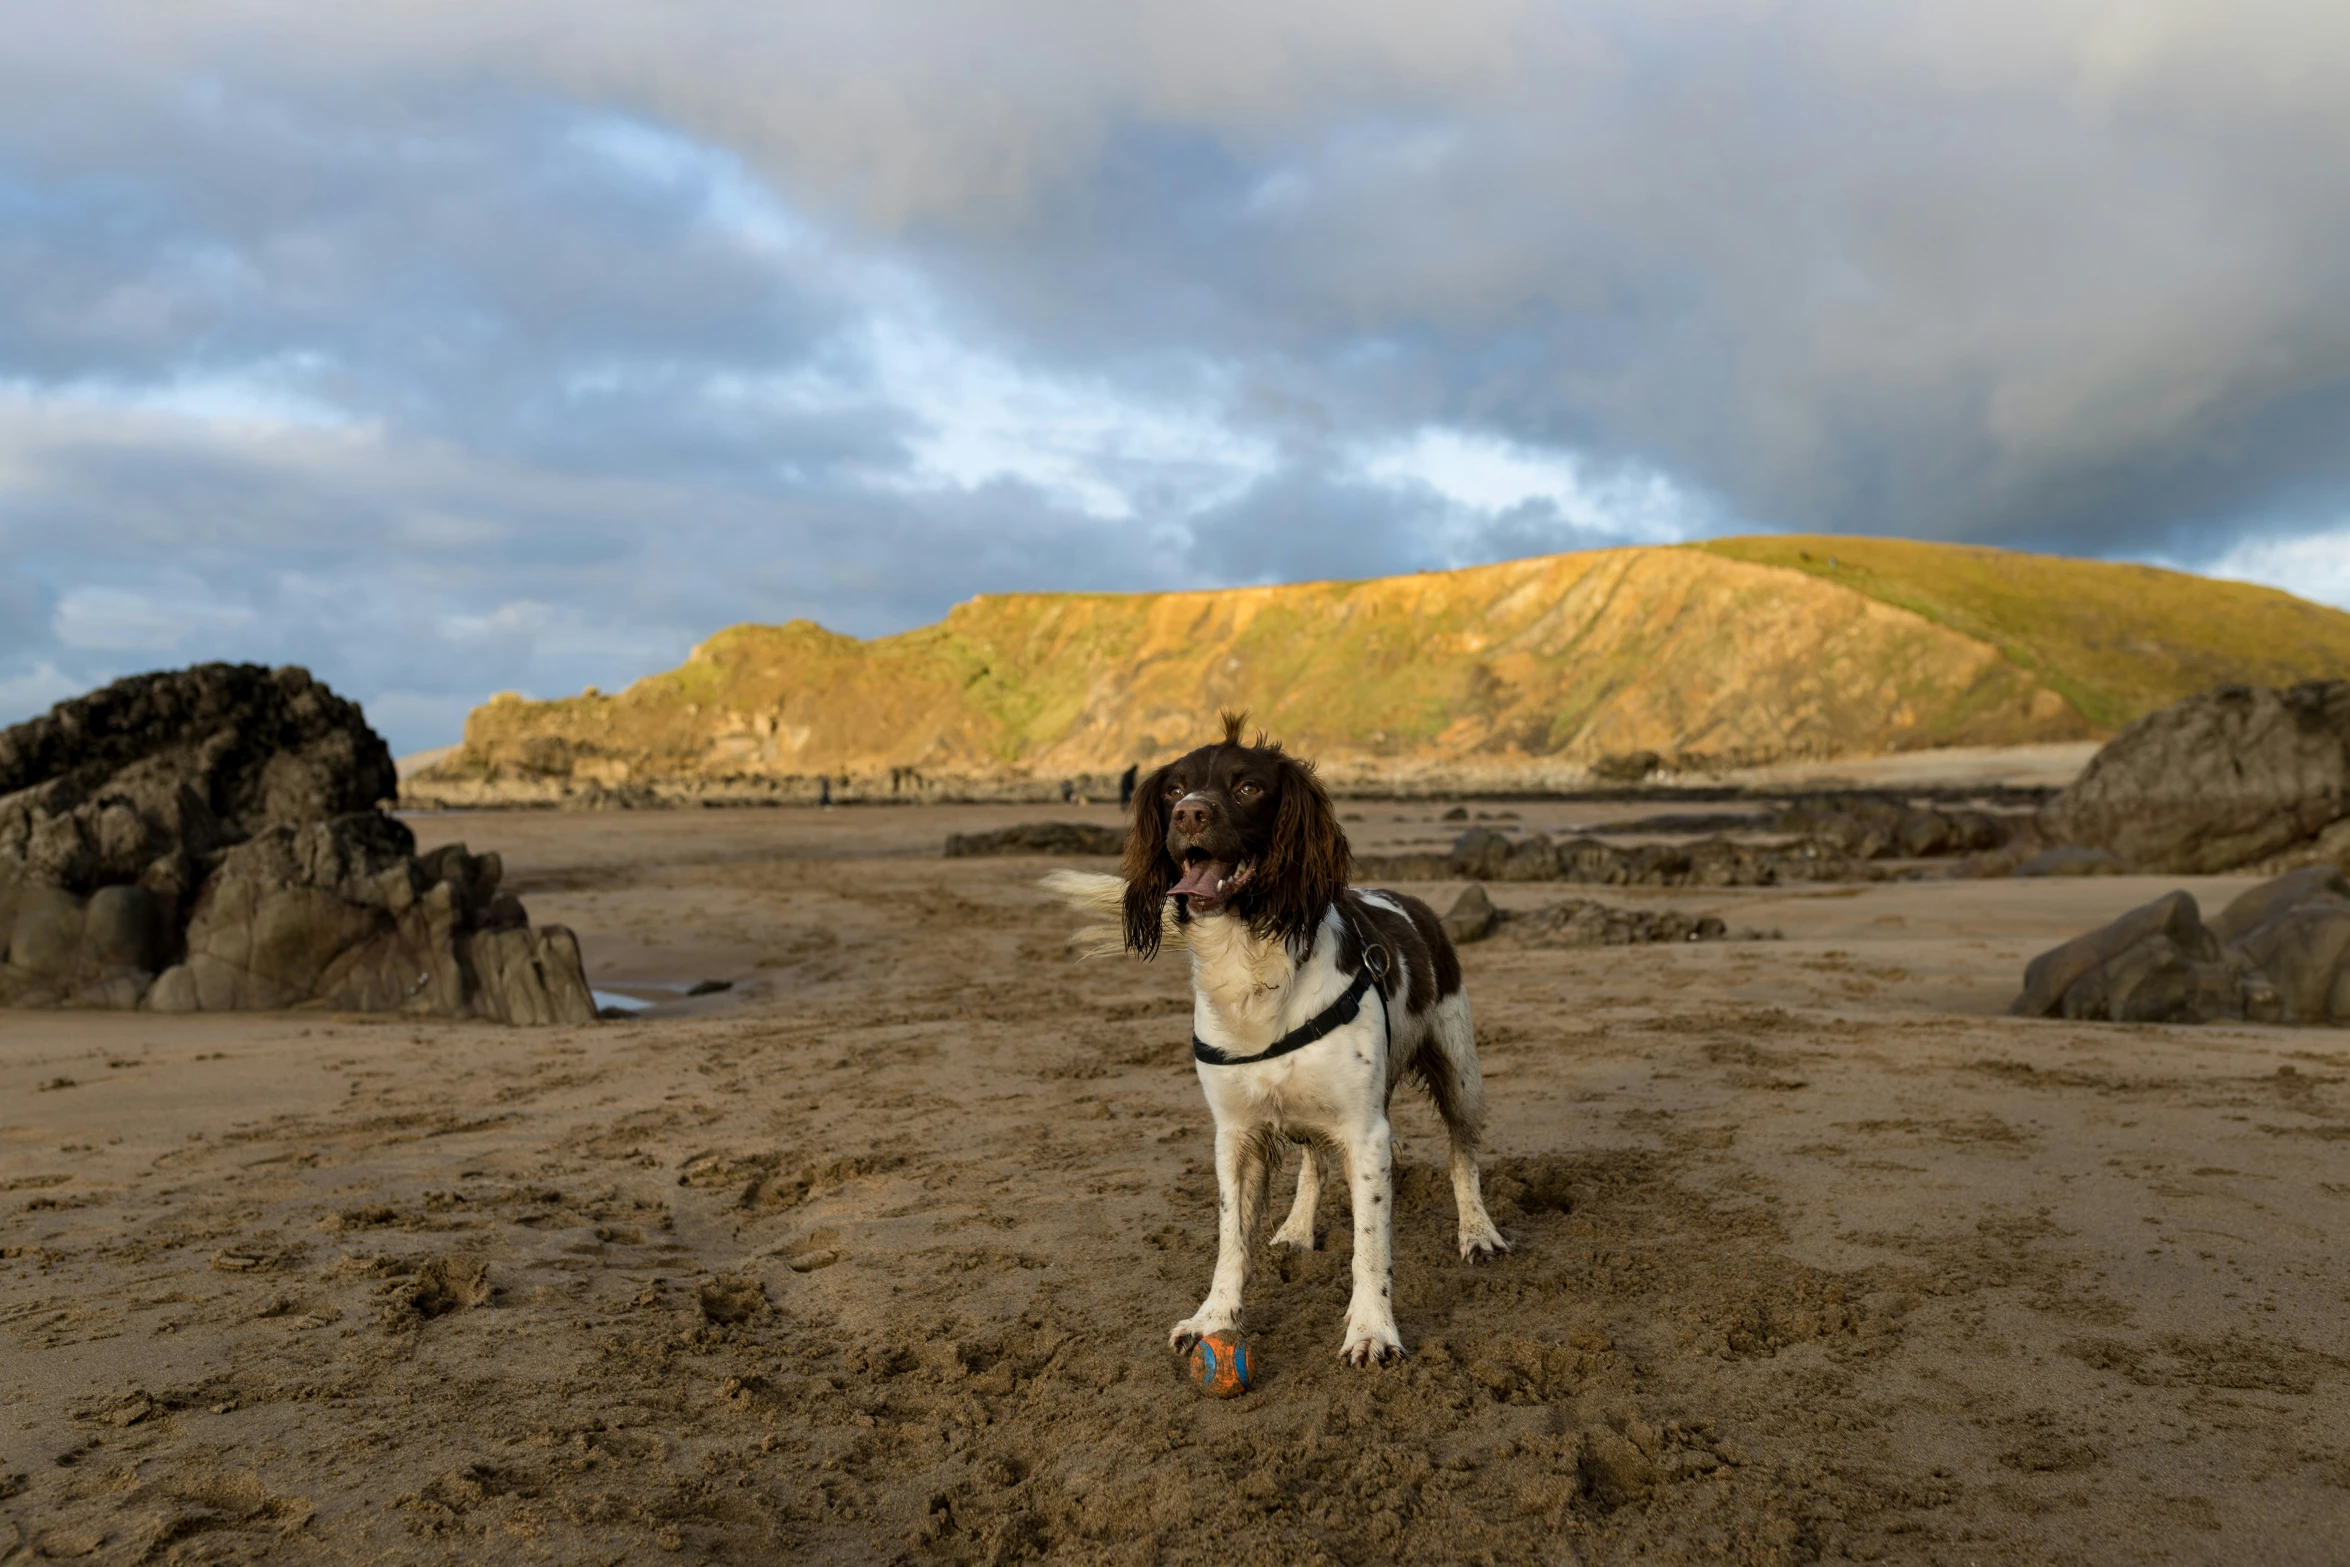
column 1241, row 1176
column 1370, row 1180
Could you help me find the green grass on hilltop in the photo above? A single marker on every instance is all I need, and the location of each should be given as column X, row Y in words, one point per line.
column 2116, row 640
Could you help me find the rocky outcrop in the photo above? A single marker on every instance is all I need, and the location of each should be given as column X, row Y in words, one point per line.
column 1059, row 838
column 1873, row 827
column 2280, row 953
column 210, row 839
column 139, row 783
column 1580, row 922
column 1472, row 916
column 1483, row 854
column 2238, row 775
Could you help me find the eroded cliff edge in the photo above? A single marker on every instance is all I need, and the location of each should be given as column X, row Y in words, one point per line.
column 1554, row 672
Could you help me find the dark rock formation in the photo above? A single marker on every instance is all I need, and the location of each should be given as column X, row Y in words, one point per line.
column 1579, row 922
column 2279, row 954
column 1482, row 854
column 210, row 839
column 2217, row 781
column 1871, row 827
column 2295, row 931
column 1038, row 838
column 1472, row 915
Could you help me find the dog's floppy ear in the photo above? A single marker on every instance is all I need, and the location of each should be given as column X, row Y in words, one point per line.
column 1148, row 871
column 1304, row 866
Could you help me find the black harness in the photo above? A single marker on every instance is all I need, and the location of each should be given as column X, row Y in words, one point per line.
column 1331, row 1018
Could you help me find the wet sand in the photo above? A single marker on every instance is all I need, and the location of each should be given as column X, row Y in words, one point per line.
column 872, row 1256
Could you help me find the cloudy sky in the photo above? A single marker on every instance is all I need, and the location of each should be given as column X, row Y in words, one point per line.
column 455, row 347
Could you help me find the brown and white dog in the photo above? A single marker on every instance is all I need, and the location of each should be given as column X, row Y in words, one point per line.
column 1311, row 1002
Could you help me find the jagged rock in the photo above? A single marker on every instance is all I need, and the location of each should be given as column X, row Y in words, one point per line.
column 139, row 780
column 1472, row 915
column 2174, row 916
column 2216, row 781
column 2265, row 902
column 1869, row 827
column 210, row 839
column 528, row 974
column 2329, row 848
column 2295, row 930
column 2279, row 953
column 345, row 914
column 1038, row 838
column 2158, row 981
column 1579, row 922
column 1482, row 854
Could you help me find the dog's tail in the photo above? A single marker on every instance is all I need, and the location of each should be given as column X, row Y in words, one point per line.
column 1103, row 899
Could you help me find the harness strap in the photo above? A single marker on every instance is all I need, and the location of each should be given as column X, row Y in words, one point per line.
column 1331, row 1018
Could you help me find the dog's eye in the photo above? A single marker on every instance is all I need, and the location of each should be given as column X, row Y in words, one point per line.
column 1174, row 790
column 1249, row 791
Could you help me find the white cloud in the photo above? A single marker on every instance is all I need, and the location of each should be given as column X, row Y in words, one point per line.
column 1481, row 473
column 179, row 615
column 1081, row 439
column 733, row 201
column 2315, row 566
column 517, row 618
column 263, row 396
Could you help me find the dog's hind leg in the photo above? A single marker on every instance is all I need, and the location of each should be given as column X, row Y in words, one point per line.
column 1298, row 1229
column 1449, row 1066
column 1243, row 1173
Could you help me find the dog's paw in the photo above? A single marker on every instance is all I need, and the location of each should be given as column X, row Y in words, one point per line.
column 1482, row 1246
column 1296, row 1239
column 1371, row 1344
column 1191, row 1330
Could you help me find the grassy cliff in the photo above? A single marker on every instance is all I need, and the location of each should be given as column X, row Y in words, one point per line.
column 1734, row 652
column 2116, row 641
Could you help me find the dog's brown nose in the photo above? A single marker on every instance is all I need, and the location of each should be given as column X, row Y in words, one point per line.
column 1191, row 816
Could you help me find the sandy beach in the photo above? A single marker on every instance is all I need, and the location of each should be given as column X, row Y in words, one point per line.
column 872, row 1256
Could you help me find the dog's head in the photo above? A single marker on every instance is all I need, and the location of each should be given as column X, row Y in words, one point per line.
column 1234, row 829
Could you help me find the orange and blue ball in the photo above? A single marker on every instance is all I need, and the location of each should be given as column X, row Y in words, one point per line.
column 1221, row 1361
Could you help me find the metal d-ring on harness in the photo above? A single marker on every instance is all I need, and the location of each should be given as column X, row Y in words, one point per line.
column 1331, row 1018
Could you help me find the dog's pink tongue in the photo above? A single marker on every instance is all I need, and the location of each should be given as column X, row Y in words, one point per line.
column 1203, row 880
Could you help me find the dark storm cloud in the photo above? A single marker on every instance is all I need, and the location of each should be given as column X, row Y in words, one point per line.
column 524, row 344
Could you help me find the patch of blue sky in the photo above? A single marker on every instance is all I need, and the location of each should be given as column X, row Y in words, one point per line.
column 728, row 197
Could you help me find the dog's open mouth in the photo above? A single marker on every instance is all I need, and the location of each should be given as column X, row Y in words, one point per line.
column 1207, row 883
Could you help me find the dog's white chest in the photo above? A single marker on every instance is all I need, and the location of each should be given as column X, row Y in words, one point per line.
column 1249, row 994
column 1242, row 985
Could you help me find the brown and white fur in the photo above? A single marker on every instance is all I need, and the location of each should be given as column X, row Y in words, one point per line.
column 1237, row 856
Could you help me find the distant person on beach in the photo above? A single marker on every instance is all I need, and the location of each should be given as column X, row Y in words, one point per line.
column 824, row 791
column 1068, row 791
column 1126, row 787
